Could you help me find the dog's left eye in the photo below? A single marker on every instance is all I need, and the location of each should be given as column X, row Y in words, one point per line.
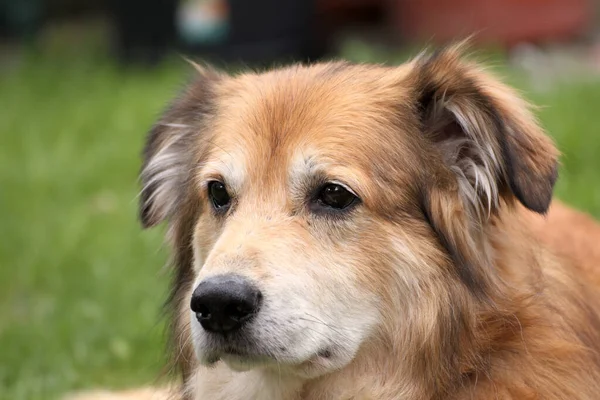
column 335, row 196
column 218, row 195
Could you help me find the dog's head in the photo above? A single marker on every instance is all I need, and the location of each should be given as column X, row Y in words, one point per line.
column 314, row 208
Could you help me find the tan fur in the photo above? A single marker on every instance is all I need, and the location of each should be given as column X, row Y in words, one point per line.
column 445, row 275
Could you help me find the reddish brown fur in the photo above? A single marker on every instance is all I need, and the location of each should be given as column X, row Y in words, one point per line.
column 492, row 301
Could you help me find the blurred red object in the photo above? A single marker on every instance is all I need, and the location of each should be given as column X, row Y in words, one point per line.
column 501, row 22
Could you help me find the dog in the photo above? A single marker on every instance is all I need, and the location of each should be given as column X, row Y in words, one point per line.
column 352, row 231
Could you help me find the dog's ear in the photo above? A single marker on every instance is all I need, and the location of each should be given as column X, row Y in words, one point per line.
column 171, row 147
column 485, row 132
column 488, row 150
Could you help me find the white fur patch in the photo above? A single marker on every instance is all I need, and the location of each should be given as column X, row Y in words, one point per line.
column 164, row 173
column 472, row 158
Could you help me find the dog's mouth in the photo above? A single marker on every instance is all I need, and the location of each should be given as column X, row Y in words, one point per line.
column 244, row 358
column 241, row 359
column 231, row 352
column 237, row 352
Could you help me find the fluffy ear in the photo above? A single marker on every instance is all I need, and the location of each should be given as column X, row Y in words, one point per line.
column 485, row 132
column 171, row 147
column 489, row 148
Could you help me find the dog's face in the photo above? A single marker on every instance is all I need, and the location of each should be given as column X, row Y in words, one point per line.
column 316, row 208
column 294, row 186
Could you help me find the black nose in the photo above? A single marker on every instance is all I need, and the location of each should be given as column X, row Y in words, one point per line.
column 223, row 303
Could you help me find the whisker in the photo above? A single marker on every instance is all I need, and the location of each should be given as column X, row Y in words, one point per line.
column 333, row 327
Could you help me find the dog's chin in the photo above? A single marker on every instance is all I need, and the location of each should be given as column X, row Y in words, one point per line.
column 237, row 360
column 318, row 364
column 241, row 363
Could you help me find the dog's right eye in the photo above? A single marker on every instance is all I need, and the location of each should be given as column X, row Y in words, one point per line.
column 334, row 197
column 217, row 192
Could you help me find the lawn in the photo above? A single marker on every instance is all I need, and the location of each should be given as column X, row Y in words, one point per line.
column 81, row 286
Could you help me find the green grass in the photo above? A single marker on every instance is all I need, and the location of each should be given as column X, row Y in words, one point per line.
column 81, row 286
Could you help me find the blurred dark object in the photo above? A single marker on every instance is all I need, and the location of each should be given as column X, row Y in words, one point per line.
column 20, row 18
column 144, row 30
column 274, row 29
column 502, row 22
column 364, row 16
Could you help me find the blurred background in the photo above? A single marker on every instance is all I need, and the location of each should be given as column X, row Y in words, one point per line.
column 81, row 286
